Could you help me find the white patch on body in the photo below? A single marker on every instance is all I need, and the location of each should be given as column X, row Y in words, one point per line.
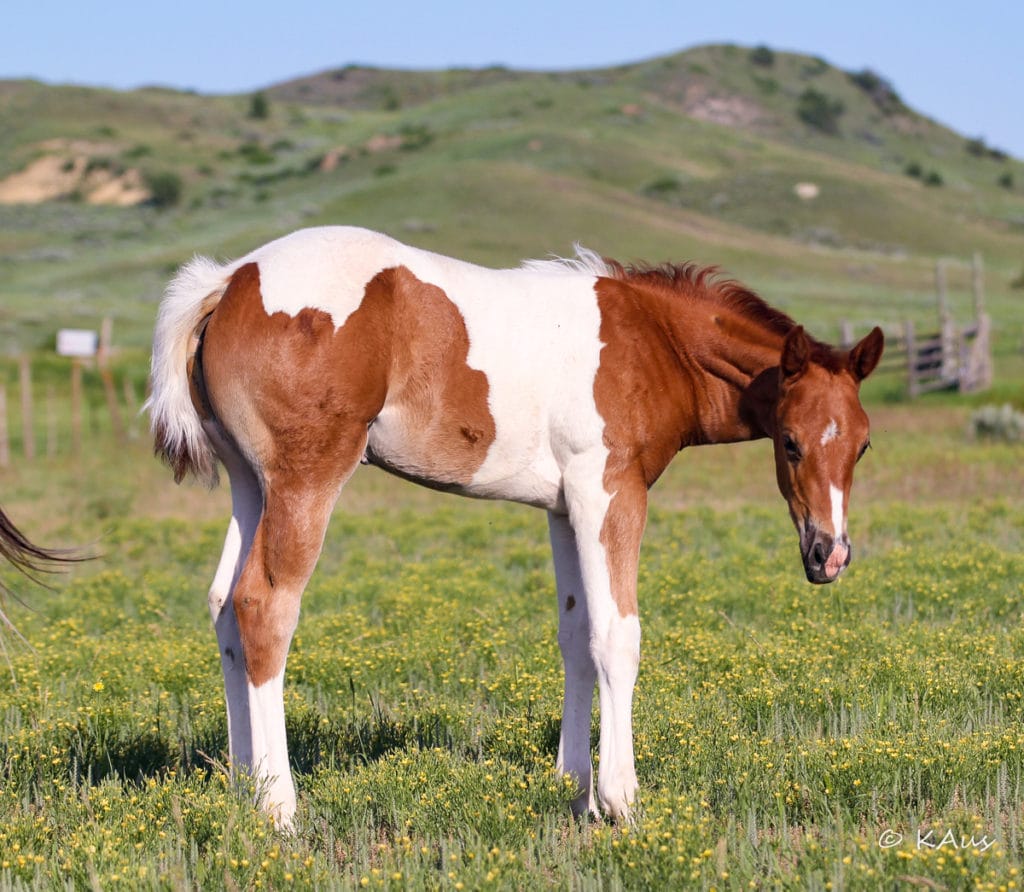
column 325, row 268
column 830, row 433
column 534, row 332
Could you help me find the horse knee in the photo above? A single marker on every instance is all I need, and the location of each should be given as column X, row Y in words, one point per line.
column 266, row 622
column 216, row 598
column 616, row 649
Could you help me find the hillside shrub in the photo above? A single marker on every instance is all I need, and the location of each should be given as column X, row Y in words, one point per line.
column 762, row 56
column 259, row 107
column 1006, row 180
column 814, row 68
column 931, row 178
column 415, row 136
column 165, row 188
column 664, row 187
column 975, row 147
column 386, row 97
column 979, row 149
column 255, row 153
column 879, row 90
column 820, row 111
column 998, row 423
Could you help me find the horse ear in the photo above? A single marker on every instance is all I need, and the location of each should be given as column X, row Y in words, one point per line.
column 866, row 354
column 796, row 353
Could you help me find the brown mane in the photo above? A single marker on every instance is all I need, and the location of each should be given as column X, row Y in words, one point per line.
column 705, row 283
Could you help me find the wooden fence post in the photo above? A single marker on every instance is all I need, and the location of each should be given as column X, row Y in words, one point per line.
column 28, row 433
column 908, row 336
column 51, row 422
column 76, row 406
column 976, row 357
column 950, row 351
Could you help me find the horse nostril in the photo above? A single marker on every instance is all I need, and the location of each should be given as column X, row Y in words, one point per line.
column 818, row 552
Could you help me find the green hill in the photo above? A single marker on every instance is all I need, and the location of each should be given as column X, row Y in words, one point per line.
column 692, row 156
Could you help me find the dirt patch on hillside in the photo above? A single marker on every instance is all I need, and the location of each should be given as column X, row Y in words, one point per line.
column 731, row 111
column 74, row 169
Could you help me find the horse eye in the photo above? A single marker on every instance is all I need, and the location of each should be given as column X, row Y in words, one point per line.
column 792, row 448
column 863, row 449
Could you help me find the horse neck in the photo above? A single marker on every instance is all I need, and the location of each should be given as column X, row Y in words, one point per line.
column 732, row 365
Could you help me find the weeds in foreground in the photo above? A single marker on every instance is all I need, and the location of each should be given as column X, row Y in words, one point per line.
column 847, row 736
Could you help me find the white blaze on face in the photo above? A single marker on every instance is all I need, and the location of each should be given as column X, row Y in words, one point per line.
column 838, row 516
column 837, row 559
column 830, row 432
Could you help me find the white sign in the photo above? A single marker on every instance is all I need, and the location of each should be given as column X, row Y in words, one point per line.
column 77, row 342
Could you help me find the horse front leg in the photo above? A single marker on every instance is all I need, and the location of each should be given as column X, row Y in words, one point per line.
column 578, row 664
column 608, row 533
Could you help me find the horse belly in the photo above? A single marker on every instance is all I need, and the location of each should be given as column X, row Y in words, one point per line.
column 443, row 454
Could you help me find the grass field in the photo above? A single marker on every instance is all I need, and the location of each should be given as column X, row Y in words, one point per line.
column 788, row 736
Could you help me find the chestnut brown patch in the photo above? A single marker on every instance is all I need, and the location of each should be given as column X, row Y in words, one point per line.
column 440, row 423
column 302, row 395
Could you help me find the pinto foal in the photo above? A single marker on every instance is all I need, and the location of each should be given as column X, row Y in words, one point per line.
column 566, row 384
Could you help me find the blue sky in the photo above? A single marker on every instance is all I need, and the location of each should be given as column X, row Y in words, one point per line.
column 960, row 63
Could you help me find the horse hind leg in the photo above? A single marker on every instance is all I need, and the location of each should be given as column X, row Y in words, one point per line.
column 246, row 510
column 266, row 597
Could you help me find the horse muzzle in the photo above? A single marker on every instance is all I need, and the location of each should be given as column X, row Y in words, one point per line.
column 825, row 556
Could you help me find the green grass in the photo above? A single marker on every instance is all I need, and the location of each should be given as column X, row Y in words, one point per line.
column 781, row 729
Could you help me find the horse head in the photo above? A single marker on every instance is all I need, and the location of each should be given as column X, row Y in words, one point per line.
column 821, row 431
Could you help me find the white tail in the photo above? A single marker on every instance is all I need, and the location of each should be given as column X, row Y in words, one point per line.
column 177, row 429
